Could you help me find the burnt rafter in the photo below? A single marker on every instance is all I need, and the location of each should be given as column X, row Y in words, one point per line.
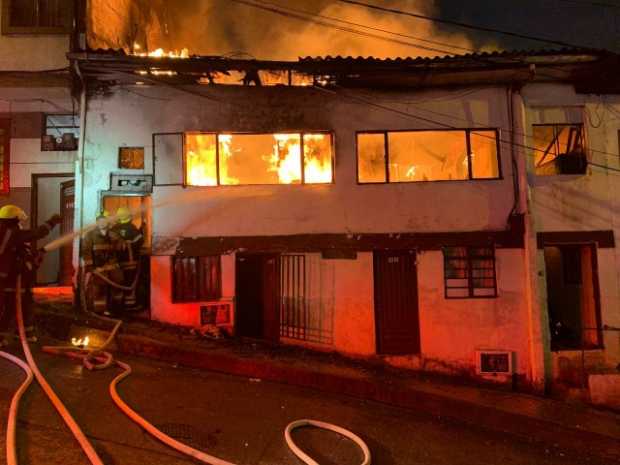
column 569, row 65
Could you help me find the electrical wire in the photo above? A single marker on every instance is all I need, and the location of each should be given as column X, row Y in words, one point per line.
column 459, row 24
column 265, row 5
column 448, row 126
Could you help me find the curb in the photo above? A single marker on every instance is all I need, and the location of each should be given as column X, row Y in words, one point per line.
column 527, row 427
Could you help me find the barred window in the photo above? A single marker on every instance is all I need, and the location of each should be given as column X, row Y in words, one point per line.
column 469, row 272
column 196, row 279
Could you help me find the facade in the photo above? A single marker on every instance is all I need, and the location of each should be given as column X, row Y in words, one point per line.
column 38, row 120
column 427, row 212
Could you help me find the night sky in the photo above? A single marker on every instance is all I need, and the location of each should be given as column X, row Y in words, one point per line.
column 594, row 23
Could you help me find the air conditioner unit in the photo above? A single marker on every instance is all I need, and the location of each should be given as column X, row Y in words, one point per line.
column 494, row 362
column 216, row 313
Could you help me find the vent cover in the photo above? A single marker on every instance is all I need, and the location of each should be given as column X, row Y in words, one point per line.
column 494, row 362
column 216, row 313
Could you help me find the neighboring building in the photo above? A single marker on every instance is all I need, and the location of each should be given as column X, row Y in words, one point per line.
column 39, row 127
column 401, row 208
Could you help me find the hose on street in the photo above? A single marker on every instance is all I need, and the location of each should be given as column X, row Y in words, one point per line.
column 100, row 358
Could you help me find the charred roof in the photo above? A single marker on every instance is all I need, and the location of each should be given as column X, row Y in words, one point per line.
column 590, row 70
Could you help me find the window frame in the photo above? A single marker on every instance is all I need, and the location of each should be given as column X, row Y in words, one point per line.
column 45, row 127
column 584, row 146
column 174, row 297
column 467, row 131
column 470, row 278
column 5, row 186
column 217, row 157
column 8, row 29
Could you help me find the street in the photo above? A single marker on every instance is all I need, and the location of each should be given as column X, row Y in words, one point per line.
column 240, row 420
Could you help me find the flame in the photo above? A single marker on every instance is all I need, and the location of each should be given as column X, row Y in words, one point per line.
column 80, row 342
column 285, row 159
column 160, row 52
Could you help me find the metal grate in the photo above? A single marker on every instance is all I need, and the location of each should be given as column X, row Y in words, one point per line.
column 303, row 314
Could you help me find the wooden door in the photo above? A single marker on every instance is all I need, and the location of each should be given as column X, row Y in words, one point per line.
column 67, row 208
column 396, row 303
column 257, row 301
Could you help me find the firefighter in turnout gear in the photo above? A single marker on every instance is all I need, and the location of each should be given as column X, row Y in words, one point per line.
column 129, row 256
column 19, row 255
column 100, row 248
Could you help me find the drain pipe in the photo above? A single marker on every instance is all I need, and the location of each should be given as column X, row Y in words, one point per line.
column 80, row 168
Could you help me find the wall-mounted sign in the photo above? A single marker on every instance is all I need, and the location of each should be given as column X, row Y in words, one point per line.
column 131, row 182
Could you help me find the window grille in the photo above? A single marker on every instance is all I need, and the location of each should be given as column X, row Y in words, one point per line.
column 196, row 279
column 469, row 272
column 306, row 311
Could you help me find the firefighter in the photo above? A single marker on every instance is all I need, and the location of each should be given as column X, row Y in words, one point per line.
column 99, row 252
column 129, row 256
column 19, row 255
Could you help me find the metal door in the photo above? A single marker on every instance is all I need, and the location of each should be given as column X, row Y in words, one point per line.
column 67, row 208
column 396, row 303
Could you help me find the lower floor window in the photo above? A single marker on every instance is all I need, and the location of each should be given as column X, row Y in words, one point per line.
column 469, row 272
column 196, row 279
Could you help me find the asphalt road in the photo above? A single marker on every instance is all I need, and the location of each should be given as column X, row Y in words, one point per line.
column 240, row 420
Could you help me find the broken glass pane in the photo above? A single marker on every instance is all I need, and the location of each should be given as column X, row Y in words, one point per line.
column 371, row 158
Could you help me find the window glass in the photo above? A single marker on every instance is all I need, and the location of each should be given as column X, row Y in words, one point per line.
column 197, row 279
column 484, row 159
column 33, row 14
column 258, row 159
column 559, row 149
column 317, row 158
column 201, row 166
column 371, row 158
column 427, row 156
column 469, row 272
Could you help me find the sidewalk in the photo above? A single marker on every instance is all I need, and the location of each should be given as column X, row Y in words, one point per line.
column 555, row 423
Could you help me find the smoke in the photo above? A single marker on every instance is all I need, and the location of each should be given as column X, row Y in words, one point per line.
column 225, row 27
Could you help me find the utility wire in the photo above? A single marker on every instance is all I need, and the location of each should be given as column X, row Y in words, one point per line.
column 263, row 5
column 584, row 3
column 279, row 11
column 448, row 126
column 460, row 24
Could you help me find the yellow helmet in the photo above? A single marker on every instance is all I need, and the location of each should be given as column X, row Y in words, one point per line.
column 11, row 212
column 123, row 214
column 103, row 214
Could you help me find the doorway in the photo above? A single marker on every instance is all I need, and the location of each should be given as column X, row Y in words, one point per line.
column 573, row 296
column 396, row 303
column 140, row 204
column 51, row 195
column 258, row 296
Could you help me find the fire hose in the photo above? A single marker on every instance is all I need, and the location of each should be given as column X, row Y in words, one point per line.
column 95, row 358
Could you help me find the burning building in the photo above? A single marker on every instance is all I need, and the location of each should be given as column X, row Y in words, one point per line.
column 420, row 210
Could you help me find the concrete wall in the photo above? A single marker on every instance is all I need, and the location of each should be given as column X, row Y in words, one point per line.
column 580, row 202
column 130, row 119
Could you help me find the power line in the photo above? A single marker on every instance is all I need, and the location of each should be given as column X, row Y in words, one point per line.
column 351, row 23
column 449, row 126
column 277, row 10
column 585, row 3
column 459, row 24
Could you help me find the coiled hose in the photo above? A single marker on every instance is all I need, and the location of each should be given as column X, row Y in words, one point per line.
column 97, row 358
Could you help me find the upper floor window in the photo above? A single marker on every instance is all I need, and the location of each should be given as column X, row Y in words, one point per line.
column 411, row 156
column 245, row 159
column 36, row 16
column 559, row 149
column 61, row 132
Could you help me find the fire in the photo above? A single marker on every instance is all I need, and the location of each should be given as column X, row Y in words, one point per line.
column 80, row 342
column 160, row 52
column 284, row 159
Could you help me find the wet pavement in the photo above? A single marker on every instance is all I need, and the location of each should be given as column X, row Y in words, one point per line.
column 241, row 420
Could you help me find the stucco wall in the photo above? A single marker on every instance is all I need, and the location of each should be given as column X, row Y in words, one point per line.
column 33, row 52
column 581, row 202
column 129, row 119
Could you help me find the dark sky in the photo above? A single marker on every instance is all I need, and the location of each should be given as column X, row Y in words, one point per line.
column 589, row 23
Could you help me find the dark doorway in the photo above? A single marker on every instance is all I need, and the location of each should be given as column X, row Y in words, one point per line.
column 573, row 296
column 396, row 303
column 258, row 296
column 46, row 200
column 67, row 208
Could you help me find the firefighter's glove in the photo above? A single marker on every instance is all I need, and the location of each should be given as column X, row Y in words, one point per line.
column 54, row 220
